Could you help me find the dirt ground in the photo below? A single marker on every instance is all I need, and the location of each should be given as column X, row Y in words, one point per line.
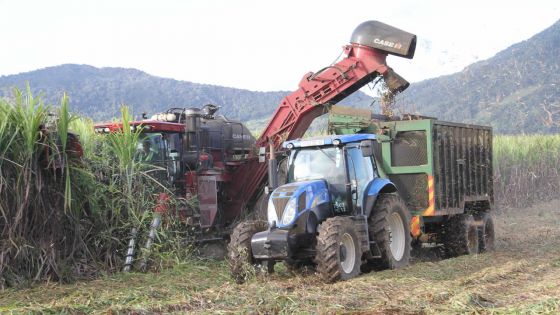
column 521, row 276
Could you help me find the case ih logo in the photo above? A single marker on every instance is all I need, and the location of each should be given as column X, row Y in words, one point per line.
column 387, row 43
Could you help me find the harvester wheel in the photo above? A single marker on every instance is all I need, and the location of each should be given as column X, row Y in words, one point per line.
column 239, row 256
column 486, row 234
column 460, row 236
column 338, row 250
column 389, row 226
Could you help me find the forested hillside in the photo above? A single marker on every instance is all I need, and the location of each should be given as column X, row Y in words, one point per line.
column 99, row 92
column 516, row 91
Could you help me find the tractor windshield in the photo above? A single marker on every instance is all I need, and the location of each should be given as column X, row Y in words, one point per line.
column 317, row 163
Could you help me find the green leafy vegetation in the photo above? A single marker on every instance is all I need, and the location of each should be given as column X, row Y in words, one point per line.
column 526, row 169
column 63, row 216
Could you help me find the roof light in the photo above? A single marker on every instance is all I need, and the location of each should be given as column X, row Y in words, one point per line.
column 290, row 146
column 336, row 142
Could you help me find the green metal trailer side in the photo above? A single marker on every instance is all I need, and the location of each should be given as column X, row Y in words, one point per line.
column 440, row 168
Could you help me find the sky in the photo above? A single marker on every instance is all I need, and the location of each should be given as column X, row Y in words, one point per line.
column 256, row 45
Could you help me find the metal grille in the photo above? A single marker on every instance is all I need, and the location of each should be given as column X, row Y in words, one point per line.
column 279, row 205
column 462, row 164
column 413, row 188
column 301, row 201
column 409, row 148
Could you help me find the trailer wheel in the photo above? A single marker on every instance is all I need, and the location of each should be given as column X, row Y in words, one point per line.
column 460, row 236
column 486, row 235
column 338, row 250
column 240, row 258
column 389, row 226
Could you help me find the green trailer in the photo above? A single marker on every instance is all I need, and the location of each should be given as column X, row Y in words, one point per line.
column 361, row 197
column 442, row 169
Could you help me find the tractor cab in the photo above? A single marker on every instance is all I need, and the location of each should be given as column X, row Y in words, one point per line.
column 332, row 173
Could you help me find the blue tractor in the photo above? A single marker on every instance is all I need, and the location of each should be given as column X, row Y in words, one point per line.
column 336, row 212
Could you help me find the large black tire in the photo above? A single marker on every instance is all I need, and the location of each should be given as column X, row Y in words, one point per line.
column 339, row 251
column 460, row 236
column 389, row 227
column 260, row 212
column 239, row 256
column 486, row 234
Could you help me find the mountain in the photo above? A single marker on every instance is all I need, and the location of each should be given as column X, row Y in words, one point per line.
column 517, row 90
column 99, row 92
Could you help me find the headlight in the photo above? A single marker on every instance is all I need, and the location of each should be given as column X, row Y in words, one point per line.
column 289, row 212
column 271, row 212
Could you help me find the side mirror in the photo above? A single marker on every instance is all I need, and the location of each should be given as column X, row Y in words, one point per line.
column 367, row 147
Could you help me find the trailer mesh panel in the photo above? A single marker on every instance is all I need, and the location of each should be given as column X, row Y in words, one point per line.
column 462, row 165
column 409, row 148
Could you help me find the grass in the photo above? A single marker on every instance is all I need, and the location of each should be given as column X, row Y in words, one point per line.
column 526, row 168
column 521, row 277
column 63, row 216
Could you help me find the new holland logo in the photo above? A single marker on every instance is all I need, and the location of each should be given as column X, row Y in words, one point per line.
column 387, row 43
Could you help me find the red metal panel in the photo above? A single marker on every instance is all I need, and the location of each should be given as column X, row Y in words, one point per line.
column 153, row 125
column 207, row 200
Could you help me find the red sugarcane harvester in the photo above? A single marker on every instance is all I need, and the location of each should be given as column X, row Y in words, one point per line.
column 220, row 162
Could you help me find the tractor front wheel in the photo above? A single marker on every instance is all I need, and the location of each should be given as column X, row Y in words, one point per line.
column 389, row 226
column 239, row 256
column 338, row 250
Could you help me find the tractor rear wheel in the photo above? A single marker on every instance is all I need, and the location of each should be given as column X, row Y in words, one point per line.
column 239, row 256
column 460, row 236
column 389, row 227
column 486, row 234
column 338, row 250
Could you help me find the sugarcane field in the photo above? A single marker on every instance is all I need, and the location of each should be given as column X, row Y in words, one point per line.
column 248, row 172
